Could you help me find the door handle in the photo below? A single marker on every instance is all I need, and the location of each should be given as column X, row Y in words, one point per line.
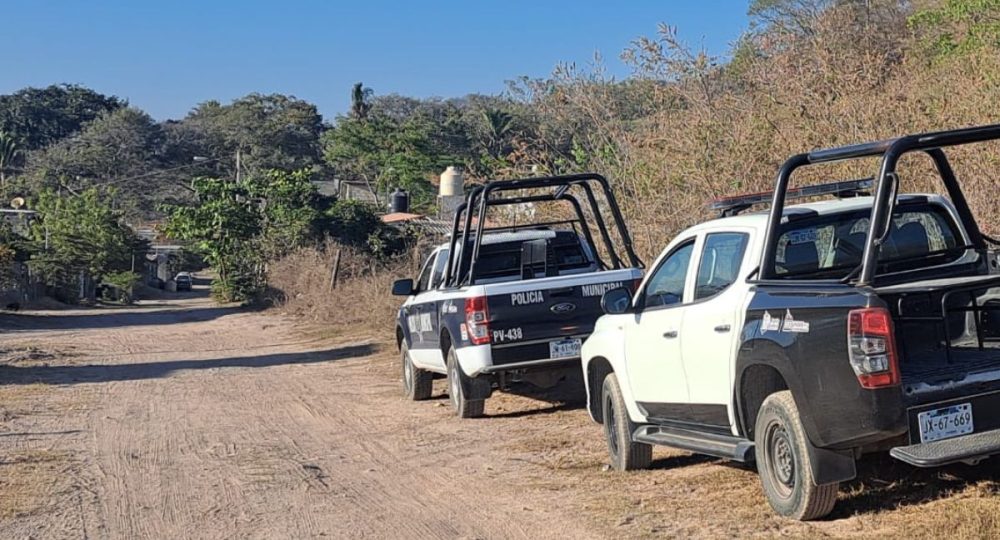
column 722, row 328
column 670, row 335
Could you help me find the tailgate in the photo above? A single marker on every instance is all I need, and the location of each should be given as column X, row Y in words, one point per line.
column 544, row 318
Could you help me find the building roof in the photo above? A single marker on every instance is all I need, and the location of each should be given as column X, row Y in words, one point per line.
column 399, row 217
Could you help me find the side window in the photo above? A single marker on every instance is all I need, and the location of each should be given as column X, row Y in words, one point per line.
column 720, row 263
column 666, row 286
column 425, row 274
column 439, row 266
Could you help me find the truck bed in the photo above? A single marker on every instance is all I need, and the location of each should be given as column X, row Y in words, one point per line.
column 930, row 368
column 947, row 328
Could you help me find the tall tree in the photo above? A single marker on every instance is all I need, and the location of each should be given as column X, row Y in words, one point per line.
column 798, row 17
column 38, row 117
column 122, row 148
column 77, row 234
column 269, row 131
column 957, row 26
column 360, row 101
column 498, row 126
column 237, row 227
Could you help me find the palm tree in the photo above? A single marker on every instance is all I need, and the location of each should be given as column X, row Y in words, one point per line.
column 360, row 104
column 499, row 125
column 9, row 152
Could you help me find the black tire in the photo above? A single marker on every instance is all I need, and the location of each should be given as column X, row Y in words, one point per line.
column 417, row 383
column 784, row 464
column 625, row 454
column 457, row 380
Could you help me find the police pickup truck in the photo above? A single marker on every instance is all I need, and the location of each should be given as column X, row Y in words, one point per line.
column 504, row 304
column 808, row 335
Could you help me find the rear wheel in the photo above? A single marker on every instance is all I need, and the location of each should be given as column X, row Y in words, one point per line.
column 457, row 380
column 417, row 383
column 625, row 454
column 784, row 464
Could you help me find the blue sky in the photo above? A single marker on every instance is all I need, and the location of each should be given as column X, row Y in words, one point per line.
column 167, row 56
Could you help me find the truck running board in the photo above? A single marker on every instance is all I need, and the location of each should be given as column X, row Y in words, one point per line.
column 712, row 444
column 971, row 448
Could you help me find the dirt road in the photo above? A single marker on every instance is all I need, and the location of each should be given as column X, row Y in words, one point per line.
column 180, row 419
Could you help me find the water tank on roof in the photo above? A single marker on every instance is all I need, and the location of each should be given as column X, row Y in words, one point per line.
column 399, row 201
column 451, row 182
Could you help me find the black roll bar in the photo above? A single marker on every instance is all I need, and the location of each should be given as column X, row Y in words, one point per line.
column 891, row 151
column 479, row 199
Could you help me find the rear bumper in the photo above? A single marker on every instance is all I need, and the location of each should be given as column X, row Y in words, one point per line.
column 487, row 359
column 971, row 447
column 532, row 365
column 982, row 443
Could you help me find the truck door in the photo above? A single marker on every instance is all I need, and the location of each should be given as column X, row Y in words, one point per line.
column 711, row 326
column 433, row 304
column 420, row 313
column 653, row 337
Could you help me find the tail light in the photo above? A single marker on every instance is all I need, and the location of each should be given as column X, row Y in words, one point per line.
column 635, row 285
column 477, row 320
column 872, row 347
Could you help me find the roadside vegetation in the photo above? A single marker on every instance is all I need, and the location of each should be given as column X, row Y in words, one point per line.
column 237, row 180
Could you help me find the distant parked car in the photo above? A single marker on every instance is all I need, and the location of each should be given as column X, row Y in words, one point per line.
column 183, row 281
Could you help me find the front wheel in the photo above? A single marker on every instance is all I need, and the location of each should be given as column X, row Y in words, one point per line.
column 457, row 381
column 784, row 464
column 625, row 454
column 417, row 383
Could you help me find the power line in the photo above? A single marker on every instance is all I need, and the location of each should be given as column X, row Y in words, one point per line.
column 156, row 172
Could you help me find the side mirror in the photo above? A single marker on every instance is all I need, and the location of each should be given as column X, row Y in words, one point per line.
column 616, row 301
column 402, row 287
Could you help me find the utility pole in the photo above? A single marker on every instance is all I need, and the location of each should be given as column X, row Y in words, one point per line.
column 239, row 155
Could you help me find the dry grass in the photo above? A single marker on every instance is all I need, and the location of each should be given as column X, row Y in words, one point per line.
column 686, row 495
column 360, row 304
column 28, row 480
column 713, row 130
column 32, row 472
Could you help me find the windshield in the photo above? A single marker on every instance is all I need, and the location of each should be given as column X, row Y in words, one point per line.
column 830, row 247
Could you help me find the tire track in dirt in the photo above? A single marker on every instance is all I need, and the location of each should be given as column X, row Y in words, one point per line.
column 230, row 424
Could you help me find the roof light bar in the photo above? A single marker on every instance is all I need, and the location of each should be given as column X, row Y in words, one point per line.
column 737, row 203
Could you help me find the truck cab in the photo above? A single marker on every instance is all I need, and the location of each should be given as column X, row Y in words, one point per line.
column 806, row 335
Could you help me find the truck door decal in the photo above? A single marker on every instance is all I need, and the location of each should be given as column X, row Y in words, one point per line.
column 420, row 323
column 769, row 323
column 791, row 325
column 599, row 289
column 526, row 298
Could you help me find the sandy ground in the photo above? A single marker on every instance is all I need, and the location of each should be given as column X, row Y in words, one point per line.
column 181, row 419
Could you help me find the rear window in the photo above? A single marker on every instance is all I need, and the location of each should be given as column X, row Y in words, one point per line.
column 503, row 260
column 830, row 247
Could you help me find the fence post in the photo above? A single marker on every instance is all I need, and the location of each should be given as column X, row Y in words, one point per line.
column 336, row 270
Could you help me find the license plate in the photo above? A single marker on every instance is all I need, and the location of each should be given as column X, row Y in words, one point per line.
column 945, row 423
column 564, row 348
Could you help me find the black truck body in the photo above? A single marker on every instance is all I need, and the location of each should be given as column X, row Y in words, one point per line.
column 944, row 333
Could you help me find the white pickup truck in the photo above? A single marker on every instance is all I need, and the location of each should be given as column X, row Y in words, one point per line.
column 806, row 336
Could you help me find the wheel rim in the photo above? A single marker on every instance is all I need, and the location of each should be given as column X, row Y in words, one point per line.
column 407, row 373
column 453, row 385
column 781, row 460
column 611, row 425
